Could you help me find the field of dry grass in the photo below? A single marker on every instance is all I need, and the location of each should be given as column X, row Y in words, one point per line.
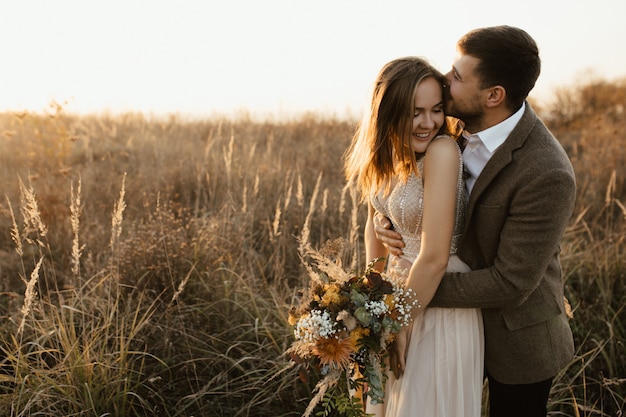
column 148, row 265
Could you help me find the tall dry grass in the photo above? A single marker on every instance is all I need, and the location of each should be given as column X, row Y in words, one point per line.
column 589, row 121
column 148, row 265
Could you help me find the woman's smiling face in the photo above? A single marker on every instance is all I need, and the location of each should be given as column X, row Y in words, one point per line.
column 428, row 114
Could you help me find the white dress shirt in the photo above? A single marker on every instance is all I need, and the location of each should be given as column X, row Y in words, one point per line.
column 480, row 146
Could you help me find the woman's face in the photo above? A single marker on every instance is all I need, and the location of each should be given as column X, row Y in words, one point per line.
column 428, row 114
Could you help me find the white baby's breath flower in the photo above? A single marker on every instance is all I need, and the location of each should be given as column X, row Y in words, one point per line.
column 315, row 325
column 377, row 308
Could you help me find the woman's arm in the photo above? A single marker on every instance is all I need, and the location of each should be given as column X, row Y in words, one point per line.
column 373, row 247
column 441, row 168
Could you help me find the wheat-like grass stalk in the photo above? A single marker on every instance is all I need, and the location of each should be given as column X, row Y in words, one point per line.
column 321, row 388
column 182, row 285
column 15, row 231
column 116, row 225
column 300, row 192
column 244, row 198
column 30, row 211
column 610, row 189
column 75, row 212
column 257, row 181
column 276, row 223
column 342, row 201
column 306, row 229
column 354, row 229
column 228, row 158
column 29, row 295
column 118, row 215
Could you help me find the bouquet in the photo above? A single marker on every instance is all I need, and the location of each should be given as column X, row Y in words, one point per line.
column 343, row 327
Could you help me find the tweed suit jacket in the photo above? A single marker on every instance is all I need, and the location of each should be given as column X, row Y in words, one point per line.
column 517, row 213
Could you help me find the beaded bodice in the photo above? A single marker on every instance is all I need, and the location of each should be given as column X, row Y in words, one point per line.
column 404, row 206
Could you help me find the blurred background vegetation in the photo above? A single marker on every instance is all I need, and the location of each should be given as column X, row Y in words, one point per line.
column 147, row 265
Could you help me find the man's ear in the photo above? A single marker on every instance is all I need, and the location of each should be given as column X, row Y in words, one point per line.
column 495, row 96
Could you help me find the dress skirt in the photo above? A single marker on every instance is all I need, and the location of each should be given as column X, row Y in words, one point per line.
column 444, row 366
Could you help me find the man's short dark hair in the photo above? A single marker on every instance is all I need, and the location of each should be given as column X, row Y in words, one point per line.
column 508, row 57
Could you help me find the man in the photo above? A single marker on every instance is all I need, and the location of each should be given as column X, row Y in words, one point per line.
column 522, row 190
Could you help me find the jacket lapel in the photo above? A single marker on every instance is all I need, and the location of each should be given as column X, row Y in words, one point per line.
column 500, row 159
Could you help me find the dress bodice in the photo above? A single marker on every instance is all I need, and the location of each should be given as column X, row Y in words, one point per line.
column 404, row 206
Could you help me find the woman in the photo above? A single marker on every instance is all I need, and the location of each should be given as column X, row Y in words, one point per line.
column 404, row 160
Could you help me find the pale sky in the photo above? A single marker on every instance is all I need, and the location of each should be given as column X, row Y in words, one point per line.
column 274, row 57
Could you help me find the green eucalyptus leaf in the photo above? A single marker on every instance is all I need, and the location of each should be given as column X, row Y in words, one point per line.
column 363, row 316
column 357, row 298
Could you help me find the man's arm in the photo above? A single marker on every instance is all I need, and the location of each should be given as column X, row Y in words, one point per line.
column 522, row 246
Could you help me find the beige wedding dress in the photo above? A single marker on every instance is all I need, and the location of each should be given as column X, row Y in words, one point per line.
column 444, row 367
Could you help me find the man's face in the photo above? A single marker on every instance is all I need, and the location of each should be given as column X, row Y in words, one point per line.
column 465, row 98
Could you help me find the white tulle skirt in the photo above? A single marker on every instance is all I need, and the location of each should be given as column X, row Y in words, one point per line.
column 444, row 367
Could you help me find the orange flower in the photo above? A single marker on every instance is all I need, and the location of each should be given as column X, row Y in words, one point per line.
column 331, row 296
column 293, row 316
column 334, row 351
column 390, row 301
column 357, row 334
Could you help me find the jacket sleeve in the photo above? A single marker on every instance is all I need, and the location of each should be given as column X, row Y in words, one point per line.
column 517, row 244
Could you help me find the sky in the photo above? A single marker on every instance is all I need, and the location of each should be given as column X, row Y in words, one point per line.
column 271, row 57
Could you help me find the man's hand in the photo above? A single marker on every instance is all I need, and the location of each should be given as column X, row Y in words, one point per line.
column 388, row 237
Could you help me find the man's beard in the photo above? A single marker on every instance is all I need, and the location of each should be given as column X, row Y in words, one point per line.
column 471, row 117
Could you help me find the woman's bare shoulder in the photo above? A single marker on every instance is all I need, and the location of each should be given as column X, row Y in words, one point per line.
column 443, row 146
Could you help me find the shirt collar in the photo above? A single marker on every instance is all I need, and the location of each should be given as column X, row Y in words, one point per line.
column 496, row 135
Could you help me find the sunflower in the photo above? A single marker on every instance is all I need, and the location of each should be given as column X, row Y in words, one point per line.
column 334, row 351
